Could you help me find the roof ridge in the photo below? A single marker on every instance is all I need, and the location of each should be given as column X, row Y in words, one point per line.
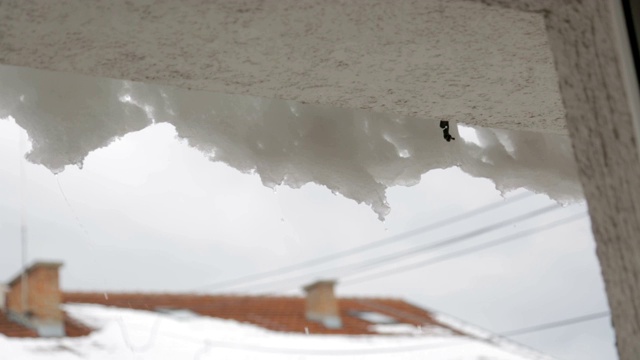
column 228, row 295
column 167, row 293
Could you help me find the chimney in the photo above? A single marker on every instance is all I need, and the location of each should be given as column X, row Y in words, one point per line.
column 322, row 305
column 4, row 289
column 34, row 299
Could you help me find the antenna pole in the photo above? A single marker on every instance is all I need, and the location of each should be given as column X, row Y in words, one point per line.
column 23, row 226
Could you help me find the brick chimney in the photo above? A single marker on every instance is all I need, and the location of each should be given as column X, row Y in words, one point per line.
column 34, row 299
column 322, row 305
column 4, row 289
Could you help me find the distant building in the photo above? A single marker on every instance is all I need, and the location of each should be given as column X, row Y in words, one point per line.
column 32, row 305
column 38, row 311
column 320, row 312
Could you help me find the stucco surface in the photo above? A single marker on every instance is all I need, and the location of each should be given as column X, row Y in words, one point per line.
column 442, row 60
column 599, row 111
column 601, row 127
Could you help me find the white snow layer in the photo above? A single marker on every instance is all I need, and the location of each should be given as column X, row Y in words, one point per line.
column 355, row 153
column 486, row 335
column 131, row 334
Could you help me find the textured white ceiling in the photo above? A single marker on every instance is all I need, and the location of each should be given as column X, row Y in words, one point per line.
column 450, row 60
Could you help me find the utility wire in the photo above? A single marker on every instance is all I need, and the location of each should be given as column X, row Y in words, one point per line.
column 464, row 252
column 71, row 209
column 345, row 352
column 341, row 254
column 557, row 324
column 363, row 265
column 464, row 237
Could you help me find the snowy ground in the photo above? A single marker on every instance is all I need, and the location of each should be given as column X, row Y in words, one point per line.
column 133, row 334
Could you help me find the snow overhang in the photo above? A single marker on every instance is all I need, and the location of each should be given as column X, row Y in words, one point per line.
column 377, row 77
column 356, row 153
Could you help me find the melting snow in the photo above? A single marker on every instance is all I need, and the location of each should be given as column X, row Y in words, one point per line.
column 355, row 153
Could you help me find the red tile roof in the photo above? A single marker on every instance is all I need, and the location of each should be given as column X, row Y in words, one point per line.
column 10, row 328
column 285, row 314
column 13, row 329
column 74, row 328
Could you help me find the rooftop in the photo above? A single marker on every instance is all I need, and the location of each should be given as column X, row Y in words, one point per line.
column 10, row 328
column 277, row 313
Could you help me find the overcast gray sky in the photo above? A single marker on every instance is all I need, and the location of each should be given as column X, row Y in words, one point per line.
column 150, row 213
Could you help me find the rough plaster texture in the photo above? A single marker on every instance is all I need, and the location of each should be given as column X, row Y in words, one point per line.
column 599, row 119
column 437, row 59
column 601, row 127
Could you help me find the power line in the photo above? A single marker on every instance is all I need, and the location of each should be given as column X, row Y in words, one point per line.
column 483, row 334
column 557, row 324
column 419, row 250
column 337, row 352
column 71, row 209
column 150, row 341
column 357, row 249
column 363, row 265
column 463, row 252
column 79, row 222
column 343, row 352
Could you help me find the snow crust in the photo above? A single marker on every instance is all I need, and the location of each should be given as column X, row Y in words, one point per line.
column 352, row 152
column 398, row 329
column 133, row 334
column 488, row 336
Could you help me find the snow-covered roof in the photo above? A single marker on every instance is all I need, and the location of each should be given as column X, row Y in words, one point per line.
column 276, row 313
column 14, row 329
column 134, row 334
